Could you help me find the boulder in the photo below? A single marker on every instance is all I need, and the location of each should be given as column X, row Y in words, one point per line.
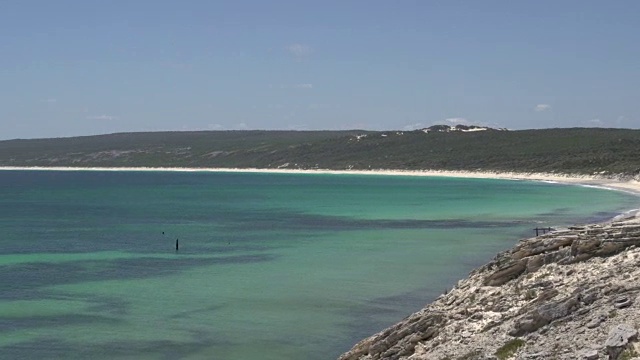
column 507, row 272
column 543, row 315
column 619, row 336
column 589, row 355
column 596, row 321
column 622, row 302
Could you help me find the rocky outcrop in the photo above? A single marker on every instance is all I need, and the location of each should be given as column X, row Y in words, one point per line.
column 568, row 294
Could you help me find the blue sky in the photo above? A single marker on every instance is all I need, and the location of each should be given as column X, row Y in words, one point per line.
column 71, row 67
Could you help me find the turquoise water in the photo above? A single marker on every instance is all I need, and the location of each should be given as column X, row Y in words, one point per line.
column 270, row 266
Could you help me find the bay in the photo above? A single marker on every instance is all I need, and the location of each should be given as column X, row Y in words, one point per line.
column 270, row 266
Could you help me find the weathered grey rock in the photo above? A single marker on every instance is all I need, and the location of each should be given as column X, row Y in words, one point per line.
column 536, row 356
column 619, row 336
column 543, row 315
column 505, row 273
column 399, row 340
column 551, row 297
column 544, row 244
column 535, row 263
column 547, row 295
column 590, row 355
column 622, row 302
column 596, row 321
column 590, row 296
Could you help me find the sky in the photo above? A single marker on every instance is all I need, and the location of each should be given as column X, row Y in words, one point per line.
column 84, row 67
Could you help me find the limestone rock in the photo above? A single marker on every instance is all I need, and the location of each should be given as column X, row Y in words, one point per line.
column 590, row 355
column 619, row 337
column 550, row 297
column 596, row 321
column 543, row 315
column 622, row 302
column 507, row 272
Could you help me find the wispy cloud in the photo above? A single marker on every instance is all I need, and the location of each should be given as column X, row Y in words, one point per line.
column 595, row 122
column 416, row 126
column 457, row 121
column 542, row 107
column 621, row 120
column 299, row 51
column 297, row 127
column 102, row 117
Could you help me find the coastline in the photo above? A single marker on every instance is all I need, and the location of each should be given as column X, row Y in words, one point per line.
column 630, row 186
column 475, row 296
column 568, row 294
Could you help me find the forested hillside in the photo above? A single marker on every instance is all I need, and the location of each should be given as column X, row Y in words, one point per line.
column 576, row 150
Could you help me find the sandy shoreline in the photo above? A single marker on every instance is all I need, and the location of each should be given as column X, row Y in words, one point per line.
column 630, row 186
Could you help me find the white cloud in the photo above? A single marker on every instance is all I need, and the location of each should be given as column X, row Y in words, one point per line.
column 416, row 126
column 457, row 121
column 542, row 107
column 50, row 101
column 215, row 127
column 303, row 86
column 242, row 126
column 595, row 122
column 299, row 51
column 291, row 115
column 297, row 127
column 102, row 117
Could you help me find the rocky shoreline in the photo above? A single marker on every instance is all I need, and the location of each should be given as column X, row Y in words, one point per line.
column 568, row 294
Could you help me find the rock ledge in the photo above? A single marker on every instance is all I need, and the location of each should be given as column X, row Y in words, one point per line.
column 568, row 294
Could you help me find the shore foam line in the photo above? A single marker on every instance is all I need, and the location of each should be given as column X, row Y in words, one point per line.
column 630, row 186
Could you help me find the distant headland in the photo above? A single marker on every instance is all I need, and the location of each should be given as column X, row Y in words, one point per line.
column 610, row 153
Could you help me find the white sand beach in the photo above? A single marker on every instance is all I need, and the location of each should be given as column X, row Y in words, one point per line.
column 631, row 186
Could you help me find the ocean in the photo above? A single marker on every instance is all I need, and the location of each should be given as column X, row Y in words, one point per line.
column 269, row 266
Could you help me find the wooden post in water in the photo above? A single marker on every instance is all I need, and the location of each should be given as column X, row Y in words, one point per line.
column 177, row 247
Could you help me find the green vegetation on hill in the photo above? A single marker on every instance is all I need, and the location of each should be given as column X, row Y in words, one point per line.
column 576, row 150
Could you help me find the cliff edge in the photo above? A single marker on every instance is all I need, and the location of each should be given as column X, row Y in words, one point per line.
column 568, row 294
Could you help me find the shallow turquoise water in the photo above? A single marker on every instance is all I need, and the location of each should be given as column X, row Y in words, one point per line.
column 270, row 266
